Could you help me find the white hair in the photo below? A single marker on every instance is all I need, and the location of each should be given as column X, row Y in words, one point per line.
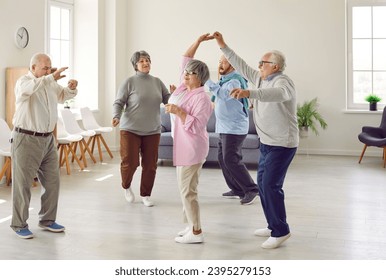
column 278, row 58
column 36, row 58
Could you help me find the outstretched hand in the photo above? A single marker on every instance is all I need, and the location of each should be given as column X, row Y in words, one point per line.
column 239, row 93
column 58, row 73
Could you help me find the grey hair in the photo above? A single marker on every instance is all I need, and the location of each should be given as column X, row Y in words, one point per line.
column 278, row 58
column 200, row 68
column 136, row 56
column 36, row 59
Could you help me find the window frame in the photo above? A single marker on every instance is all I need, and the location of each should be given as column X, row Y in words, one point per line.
column 350, row 4
column 69, row 5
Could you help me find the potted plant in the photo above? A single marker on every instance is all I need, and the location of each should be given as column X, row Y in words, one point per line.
column 308, row 117
column 373, row 99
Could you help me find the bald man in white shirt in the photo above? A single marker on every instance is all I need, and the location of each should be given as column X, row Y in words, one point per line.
column 33, row 143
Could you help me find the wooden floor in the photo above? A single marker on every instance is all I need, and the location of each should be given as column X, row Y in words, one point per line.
column 336, row 209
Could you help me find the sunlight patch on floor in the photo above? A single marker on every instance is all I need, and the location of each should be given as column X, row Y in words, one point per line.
column 104, row 178
column 10, row 217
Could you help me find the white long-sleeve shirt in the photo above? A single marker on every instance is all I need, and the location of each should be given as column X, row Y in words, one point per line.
column 37, row 101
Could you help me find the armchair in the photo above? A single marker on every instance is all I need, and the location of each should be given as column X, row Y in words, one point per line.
column 374, row 136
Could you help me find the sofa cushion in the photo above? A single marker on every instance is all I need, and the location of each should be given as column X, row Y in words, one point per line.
column 251, row 142
column 166, row 139
column 213, row 139
column 165, row 121
column 211, row 126
column 252, row 128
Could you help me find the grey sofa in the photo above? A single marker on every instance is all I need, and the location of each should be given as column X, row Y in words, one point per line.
column 251, row 152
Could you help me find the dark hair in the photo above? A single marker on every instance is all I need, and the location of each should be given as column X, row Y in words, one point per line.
column 136, row 56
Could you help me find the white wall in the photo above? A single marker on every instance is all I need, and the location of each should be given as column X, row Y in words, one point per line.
column 310, row 32
column 13, row 14
column 86, row 51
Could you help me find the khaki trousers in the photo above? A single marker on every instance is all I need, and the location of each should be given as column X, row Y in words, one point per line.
column 33, row 155
column 187, row 179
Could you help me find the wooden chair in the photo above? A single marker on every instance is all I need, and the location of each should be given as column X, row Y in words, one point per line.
column 66, row 143
column 90, row 123
column 72, row 127
column 5, row 151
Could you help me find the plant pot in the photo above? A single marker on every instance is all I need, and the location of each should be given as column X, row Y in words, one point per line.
column 373, row 106
column 303, row 131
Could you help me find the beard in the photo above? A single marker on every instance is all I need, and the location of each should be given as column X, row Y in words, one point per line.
column 224, row 71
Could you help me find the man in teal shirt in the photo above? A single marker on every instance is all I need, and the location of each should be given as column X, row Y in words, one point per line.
column 232, row 123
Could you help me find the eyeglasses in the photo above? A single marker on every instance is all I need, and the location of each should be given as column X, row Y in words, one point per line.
column 261, row 62
column 186, row 72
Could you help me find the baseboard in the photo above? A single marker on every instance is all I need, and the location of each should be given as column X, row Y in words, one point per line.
column 370, row 152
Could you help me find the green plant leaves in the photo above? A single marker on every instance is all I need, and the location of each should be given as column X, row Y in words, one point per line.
column 309, row 116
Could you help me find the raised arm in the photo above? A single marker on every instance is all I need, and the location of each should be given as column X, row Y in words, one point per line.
column 191, row 51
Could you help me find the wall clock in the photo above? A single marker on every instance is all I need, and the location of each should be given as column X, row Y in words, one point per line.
column 22, row 37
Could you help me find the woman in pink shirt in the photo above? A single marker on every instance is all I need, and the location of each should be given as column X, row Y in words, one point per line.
column 190, row 108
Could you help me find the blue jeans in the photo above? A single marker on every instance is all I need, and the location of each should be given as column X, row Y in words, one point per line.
column 234, row 170
column 273, row 165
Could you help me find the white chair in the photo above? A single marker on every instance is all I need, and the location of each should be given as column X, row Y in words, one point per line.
column 72, row 127
column 5, row 151
column 90, row 123
column 66, row 143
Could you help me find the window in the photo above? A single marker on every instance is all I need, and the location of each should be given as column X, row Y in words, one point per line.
column 366, row 51
column 60, row 35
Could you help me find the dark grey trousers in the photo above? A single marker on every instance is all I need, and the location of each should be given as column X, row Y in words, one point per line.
column 234, row 170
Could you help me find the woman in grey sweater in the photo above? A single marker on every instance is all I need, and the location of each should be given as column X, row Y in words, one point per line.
column 137, row 111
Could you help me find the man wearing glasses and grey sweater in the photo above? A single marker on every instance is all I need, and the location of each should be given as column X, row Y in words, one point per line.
column 274, row 109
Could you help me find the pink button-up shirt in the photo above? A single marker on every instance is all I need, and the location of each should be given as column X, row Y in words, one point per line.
column 190, row 140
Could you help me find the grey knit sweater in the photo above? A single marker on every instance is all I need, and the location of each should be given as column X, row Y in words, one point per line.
column 274, row 104
column 137, row 104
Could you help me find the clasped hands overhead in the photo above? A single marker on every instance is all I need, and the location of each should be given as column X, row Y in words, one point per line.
column 237, row 92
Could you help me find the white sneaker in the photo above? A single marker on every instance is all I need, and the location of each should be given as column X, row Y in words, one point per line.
column 190, row 238
column 147, row 202
column 183, row 232
column 129, row 195
column 274, row 242
column 263, row 232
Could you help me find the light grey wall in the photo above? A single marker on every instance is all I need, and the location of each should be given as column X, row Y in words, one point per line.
column 13, row 14
column 310, row 32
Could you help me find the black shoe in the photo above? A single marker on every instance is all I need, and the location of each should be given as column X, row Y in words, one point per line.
column 249, row 198
column 230, row 194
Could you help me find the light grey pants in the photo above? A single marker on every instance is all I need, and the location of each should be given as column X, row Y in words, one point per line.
column 187, row 179
column 31, row 156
